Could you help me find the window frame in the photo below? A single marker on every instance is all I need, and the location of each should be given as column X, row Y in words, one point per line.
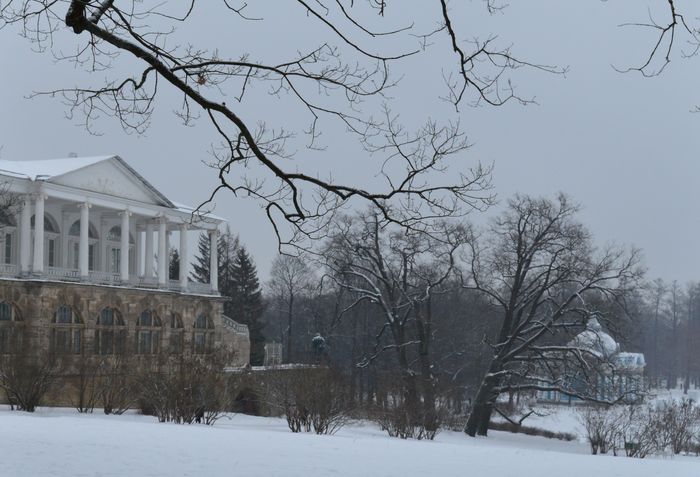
column 110, row 339
column 148, row 336
column 202, row 336
column 66, row 335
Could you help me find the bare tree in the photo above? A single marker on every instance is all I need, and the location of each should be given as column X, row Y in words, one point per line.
column 657, row 291
column 399, row 272
column 344, row 78
column 675, row 314
column 667, row 23
column 290, row 279
column 538, row 266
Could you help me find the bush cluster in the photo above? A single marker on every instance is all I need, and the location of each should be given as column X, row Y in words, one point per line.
column 311, row 399
column 641, row 430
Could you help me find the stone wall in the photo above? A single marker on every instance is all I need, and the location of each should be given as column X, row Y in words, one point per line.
column 36, row 303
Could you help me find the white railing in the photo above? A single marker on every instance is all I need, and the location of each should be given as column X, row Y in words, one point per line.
column 234, row 325
column 8, row 269
column 201, row 288
column 63, row 273
column 106, row 278
column 146, row 282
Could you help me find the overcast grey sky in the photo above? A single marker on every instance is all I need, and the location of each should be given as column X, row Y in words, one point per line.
column 623, row 146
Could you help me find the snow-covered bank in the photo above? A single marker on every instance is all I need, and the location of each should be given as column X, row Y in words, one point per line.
column 57, row 442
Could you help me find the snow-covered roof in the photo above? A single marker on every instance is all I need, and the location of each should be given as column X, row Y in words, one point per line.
column 45, row 169
column 48, row 169
column 103, row 178
column 596, row 340
column 191, row 210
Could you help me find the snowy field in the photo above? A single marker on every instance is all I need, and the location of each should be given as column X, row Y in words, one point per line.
column 60, row 442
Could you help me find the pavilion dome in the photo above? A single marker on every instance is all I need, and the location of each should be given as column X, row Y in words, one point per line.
column 596, row 340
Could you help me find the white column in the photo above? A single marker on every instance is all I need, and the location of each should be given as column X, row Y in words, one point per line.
column 25, row 234
column 38, row 266
column 138, row 262
column 124, row 253
column 183, row 256
column 102, row 256
column 167, row 254
column 148, row 270
column 162, row 253
column 83, row 255
column 214, row 260
column 65, row 226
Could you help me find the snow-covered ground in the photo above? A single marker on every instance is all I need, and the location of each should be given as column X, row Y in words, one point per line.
column 60, row 442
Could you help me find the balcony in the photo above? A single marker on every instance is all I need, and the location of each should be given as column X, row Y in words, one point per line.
column 106, row 278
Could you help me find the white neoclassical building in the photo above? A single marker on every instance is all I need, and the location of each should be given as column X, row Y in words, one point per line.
column 84, row 270
column 96, row 220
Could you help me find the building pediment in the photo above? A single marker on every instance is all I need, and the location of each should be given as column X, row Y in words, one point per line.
column 107, row 175
column 112, row 177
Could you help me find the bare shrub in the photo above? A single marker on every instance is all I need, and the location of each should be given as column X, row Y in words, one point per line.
column 638, row 431
column 88, row 392
column 395, row 414
column 188, row 390
column 116, row 383
column 403, row 422
column 601, row 425
column 312, row 399
column 26, row 377
column 642, row 430
column 679, row 424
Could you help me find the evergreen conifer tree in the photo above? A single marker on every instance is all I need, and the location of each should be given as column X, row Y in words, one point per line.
column 238, row 280
column 246, row 304
column 227, row 244
column 174, row 264
column 200, row 267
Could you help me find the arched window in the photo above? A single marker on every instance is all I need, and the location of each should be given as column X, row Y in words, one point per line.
column 177, row 334
column 10, row 331
column 110, row 332
column 148, row 329
column 66, row 331
column 115, row 234
column 75, row 230
column 203, row 336
column 50, row 225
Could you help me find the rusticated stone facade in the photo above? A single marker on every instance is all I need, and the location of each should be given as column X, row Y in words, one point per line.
column 194, row 323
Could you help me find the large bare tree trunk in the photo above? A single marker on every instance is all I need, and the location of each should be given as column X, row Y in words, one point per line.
column 482, row 407
column 423, row 324
column 290, row 319
column 410, row 390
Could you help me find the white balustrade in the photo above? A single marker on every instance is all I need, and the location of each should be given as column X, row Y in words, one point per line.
column 200, row 288
column 234, row 325
column 63, row 273
column 8, row 270
column 115, row 279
